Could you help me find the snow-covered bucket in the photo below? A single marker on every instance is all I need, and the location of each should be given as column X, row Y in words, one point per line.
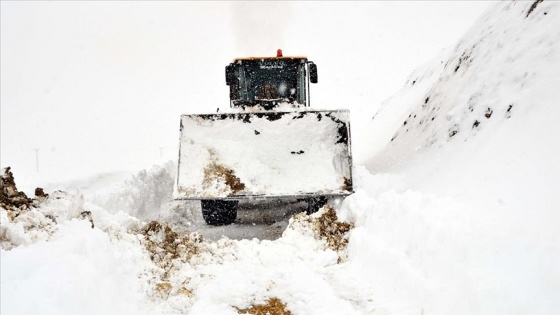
column 264, row 155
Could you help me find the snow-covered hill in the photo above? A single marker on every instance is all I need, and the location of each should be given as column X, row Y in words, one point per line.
column 454, row 211
column 483, row 118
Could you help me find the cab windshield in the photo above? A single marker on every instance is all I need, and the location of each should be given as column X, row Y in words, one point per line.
column 275, row 80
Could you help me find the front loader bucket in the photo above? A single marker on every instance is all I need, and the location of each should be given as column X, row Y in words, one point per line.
column 264, row 155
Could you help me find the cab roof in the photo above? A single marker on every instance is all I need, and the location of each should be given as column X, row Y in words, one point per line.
column 269, row 58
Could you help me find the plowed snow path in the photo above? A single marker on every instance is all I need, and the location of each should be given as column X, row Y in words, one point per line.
column 263, row 220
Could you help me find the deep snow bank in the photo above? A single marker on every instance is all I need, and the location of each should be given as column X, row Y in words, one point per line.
column 479, row 126
column 427, row 254
column 55, row 260
column 482, row 122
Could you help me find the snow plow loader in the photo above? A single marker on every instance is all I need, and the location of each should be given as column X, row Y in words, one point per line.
column 270, row 145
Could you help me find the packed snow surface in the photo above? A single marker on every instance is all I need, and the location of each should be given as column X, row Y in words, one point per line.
column 454, row 210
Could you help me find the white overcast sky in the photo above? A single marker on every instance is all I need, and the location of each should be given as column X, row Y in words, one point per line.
column 99, row 86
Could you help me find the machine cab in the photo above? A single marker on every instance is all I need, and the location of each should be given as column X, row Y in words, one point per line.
column 270, row 81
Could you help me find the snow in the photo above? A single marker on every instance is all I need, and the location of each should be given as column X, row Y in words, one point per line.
column 81, row 270
column 437, row 254
column 58, row 264
column 449, row 217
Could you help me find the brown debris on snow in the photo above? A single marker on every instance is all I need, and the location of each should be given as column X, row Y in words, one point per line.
column 39, row 192
column 273, row 306
column 86, row 215
column 32, row 219
column 16, row 202
column 327, row 227
column 347, row 184
column 169, row 250
column 10, row 198
column 163, row 289
column 214, row 172
column 165, row 245
column 186, row 292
